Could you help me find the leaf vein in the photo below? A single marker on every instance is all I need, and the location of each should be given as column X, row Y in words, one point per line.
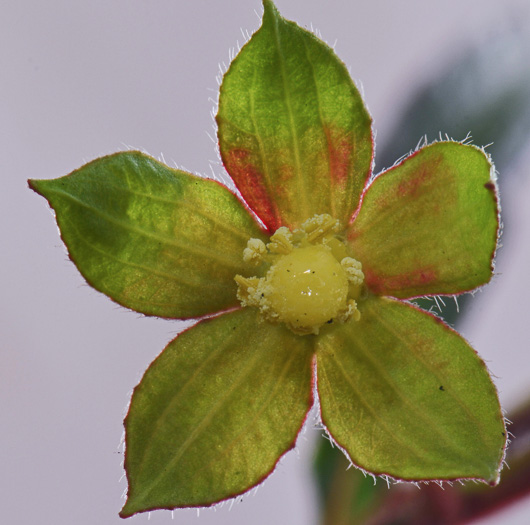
column 149, row 235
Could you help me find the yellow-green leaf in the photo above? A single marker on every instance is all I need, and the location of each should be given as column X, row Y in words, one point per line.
column 293, row 131
column 407, row 397
column 215, row 411
column 155, row 239
column 429, row 225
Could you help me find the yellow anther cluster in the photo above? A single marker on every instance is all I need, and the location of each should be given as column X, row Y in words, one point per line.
column 247, row 290
column 319, row 227
column 281, row 241
column 311, row 280
column 254, row 252
column 353, row 269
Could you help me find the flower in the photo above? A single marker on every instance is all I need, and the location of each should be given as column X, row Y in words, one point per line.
column 302, row 286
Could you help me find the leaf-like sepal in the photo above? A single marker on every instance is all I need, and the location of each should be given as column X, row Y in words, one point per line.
column 406, row 396
column 293, row 131
column 158, row 240
column 215, row 411
column 429, row 225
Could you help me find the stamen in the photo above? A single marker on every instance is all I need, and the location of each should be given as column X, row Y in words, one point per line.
column 319, row 227
column 247, row 290
column 255, row 252
column 351, row 312
column 281, row 242
column 353, row 270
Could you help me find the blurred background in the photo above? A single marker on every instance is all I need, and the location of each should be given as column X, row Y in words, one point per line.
column 82, row 79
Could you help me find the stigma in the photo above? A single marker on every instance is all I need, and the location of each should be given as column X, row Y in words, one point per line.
column 310, row 280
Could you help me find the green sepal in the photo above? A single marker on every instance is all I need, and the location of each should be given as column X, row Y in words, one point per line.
column 405, row 396
column 155, row 239
column 430, row 224
column 215, row 411
column 294, row 134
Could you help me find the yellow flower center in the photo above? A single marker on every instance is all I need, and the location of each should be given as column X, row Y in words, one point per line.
column 310, row 280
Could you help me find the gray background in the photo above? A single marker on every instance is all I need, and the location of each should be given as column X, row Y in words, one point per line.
column 83, row 79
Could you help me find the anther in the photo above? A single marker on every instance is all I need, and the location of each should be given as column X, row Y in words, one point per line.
column 319, row 227
column 353, row 270
column 254, row 252
column 247, row 290
column 281, row 241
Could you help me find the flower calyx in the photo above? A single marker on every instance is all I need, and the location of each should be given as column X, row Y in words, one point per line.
column 310, row 281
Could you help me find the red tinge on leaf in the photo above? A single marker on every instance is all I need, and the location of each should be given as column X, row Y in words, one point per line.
column 340, row 150
column 381, row 284
column 249, row 181
column 429, row 224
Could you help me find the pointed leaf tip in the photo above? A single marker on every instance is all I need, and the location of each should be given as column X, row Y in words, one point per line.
column 407, row 397
column 215, row 411
column 293, row 131
column 270, row 8
column 154, row 239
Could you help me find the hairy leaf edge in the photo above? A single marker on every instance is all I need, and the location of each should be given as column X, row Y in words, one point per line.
column 388, row 478
column 310, row 404
column 492, row 186
column 33, row 184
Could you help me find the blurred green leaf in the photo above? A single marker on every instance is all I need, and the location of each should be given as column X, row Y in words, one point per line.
column 349, row 496
column 484, row 93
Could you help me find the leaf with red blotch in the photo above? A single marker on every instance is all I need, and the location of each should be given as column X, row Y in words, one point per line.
column 430, row 224
column 293, row 131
